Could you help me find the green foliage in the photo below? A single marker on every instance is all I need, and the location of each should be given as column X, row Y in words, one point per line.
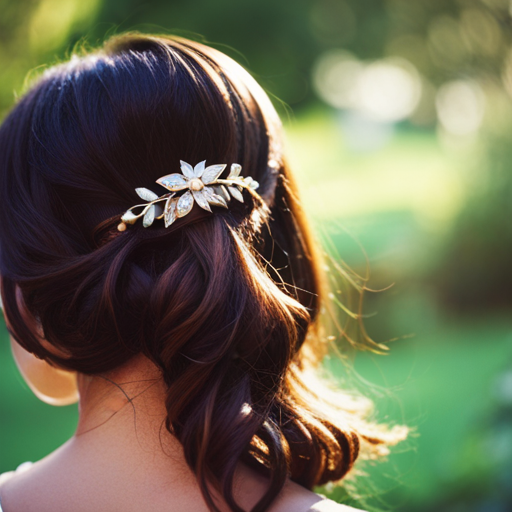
column 278, row 41
column 475, row 270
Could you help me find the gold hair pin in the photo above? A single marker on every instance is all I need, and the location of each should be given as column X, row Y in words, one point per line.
column 203, row 187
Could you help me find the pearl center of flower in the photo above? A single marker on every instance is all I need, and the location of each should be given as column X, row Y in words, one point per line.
column 195, row 184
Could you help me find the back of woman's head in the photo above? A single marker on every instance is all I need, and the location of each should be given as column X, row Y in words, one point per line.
column 221, row 302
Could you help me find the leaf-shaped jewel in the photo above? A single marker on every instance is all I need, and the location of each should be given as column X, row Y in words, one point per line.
column 185, row 203
column 236, row 194
column 173, row 182
column 234, row 171
column 146, row 194
column 187, row 169
column 129, row 217
column 201, row 199
column 213, row 198
column 208, row 192
column 254, row 184
column 199, row 169
column 149, row 216
column 212, row 172
column 218, row 201
column 170, row 213
column 221, row 191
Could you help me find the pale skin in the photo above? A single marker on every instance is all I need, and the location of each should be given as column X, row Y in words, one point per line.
column 121, row 457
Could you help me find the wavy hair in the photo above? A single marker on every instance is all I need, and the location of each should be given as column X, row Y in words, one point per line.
column 225, row 304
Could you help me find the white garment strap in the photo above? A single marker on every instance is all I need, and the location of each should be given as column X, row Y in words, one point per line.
column 5, row 476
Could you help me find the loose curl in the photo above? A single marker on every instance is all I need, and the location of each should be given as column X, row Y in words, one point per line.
column 225, row 304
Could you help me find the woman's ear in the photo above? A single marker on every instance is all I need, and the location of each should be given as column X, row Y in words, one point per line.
column 52, row 385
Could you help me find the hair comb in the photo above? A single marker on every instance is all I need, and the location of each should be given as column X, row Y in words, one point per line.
column 201, row 184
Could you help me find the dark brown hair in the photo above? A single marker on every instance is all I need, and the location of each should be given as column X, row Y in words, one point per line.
column 226, row 304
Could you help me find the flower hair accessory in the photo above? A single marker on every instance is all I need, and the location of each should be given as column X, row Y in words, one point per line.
column 202, row 185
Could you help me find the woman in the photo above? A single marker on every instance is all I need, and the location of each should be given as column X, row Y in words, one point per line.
column 185, row 322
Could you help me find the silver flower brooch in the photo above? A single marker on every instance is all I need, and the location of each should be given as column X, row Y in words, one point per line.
column 202, row 185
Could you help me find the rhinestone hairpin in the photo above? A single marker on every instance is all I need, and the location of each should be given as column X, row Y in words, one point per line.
column 202, row 185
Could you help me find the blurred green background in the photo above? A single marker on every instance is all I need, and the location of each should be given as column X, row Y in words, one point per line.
column 398, row 117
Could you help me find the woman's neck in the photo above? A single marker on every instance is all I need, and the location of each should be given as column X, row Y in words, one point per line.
column 122, row 424
column 131, row 397
column 122, row 428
